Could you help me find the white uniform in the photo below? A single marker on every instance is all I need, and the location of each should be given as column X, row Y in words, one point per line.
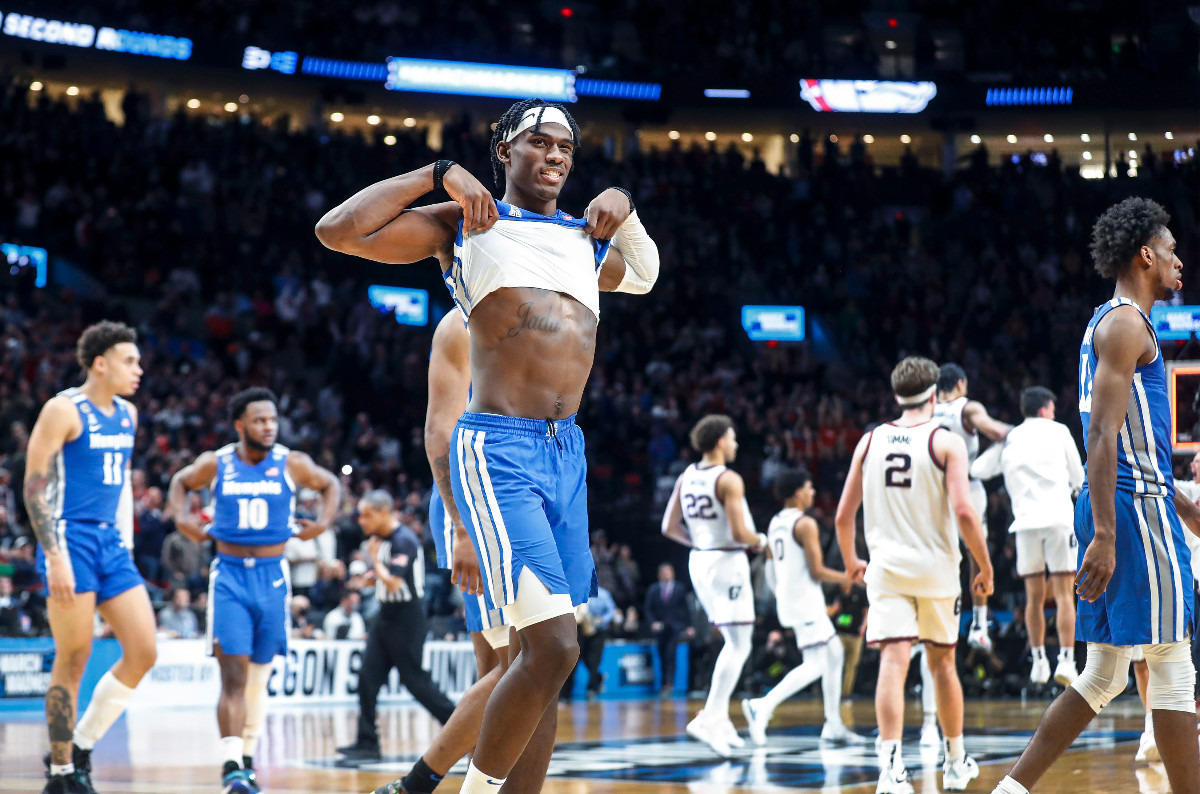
column 799, row 600
column 1041, row 467
column 912, row 578
column 950, row 416
column 718, row 566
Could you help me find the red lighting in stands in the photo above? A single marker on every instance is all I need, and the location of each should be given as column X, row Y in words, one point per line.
column 893, row 22
column 772, row 343
column 567, row 11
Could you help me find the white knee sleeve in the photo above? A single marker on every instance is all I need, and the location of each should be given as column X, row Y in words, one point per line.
column 1172, row 676
column 535, row 603
column 256, row 705
column 496, row 636
column 1105, row 674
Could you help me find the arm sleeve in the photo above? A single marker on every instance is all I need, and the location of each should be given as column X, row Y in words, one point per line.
column 641, row 256
column 988, row 465
column 125, row 514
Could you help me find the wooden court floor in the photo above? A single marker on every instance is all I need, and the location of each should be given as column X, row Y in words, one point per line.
column 603, row 748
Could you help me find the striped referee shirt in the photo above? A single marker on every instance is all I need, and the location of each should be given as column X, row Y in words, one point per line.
column 402, row 555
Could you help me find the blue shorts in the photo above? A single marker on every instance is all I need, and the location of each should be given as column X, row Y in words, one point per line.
column 521, row 488
column 248, row 600
column 1150, row 596
column 99, row 558
column 475, row 609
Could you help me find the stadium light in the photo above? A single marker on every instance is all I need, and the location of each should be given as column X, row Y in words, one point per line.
column 1011, row 138
column 410, row 122
column 673, row 135
column 1087, row 155
column 710, row 136
column 747, row 137
column 868, row 138
column 73, row 90
column 347, row 470
column 1132, row 154
column 389, row 140
column 905, row 139
column 1170, row 135
column 230, row 107
column 1048, row 138
column 1133, row 136
column 373, row 119
column 193, row 103
column 1085, row 138
column 794, row 138
column 976, row 139
column 336, row 117
column 36, row 85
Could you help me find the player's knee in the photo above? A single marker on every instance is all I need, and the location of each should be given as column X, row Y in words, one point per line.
column 141, row 658
column 72, row 662
column 1172, row 677
column 1105, row 675
column 233, row 678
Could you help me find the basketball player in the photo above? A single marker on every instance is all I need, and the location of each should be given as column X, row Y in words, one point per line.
column 254, row 483
column 1135, row 570
column 528, row 277
column 1042, row 469
column 79, row 501
column 449, row 392
column 967, row 419
column 912, row 483
column 708, row 512
column 794, row 546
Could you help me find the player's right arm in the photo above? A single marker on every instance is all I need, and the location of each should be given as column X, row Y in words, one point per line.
column 201, row 473
column 57, row 424
column 1120, row 341
column 449, row 387
column 952, row 451
column 847, row 512
column 977, row 417
column 808, row 535
column 673, row 526
column 376, row 222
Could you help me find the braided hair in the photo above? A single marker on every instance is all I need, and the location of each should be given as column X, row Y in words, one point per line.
column 509, row 121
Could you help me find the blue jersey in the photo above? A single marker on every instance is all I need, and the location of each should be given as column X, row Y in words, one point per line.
column 1144, row 443
column 254, row 505
column 91, row 469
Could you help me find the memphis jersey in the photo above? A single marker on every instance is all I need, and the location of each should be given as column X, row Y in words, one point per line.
column 798, row 597
column 525, row 249
column 254, row 505
column 950, row 416
column 703, row 512
column 1144, row 442
column 91, row 469
column 910, row 530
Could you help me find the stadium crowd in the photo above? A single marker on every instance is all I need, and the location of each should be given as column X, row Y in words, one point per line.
column 199, row 233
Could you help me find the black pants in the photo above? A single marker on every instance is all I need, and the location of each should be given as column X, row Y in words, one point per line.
column 667, row 639
column 591, row 651
column 396, row 640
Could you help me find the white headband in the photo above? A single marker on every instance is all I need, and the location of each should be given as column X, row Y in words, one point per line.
column 916, row 399
column 547, row 114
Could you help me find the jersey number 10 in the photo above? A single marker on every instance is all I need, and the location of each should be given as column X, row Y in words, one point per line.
column 114, row 468
column 252, row 513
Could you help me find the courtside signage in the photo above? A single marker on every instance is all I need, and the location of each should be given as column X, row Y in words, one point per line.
column 479, row 79
column 1175, row 322
column 867, row 96
column 774, row 323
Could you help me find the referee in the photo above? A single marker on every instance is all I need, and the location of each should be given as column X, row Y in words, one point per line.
column 398, row 636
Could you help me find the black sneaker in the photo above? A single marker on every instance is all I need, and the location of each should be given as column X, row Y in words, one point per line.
column 251, row 778
column 83, row 767
column 65, row 784
column 395, row 787
column 234, row 781
column 357, row 750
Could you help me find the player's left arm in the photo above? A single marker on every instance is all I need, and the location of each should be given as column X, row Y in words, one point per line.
column 808, row 535
column 305, row 472
column 731, row 490
column 976, row 416
column 125, row 502
column 673, row 526
column 632, row 263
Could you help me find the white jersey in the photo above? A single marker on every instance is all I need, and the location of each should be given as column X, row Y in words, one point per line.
column 911, row 532
column 705, row 516
column 950, row 416
column 524, row 249
column 798, row 597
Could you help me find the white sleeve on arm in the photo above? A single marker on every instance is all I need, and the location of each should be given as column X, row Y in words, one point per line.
column 641, row 256
column 125, row 514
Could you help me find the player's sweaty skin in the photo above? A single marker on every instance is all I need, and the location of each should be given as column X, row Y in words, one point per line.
column 531, row 353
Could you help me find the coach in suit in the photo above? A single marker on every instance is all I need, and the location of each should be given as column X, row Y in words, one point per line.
column 666, row 612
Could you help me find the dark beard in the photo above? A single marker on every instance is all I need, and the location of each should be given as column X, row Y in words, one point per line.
column 258, row 446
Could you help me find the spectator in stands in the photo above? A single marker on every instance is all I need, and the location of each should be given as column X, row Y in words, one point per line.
column 302, row 627
column 345, row 622
column 21, row 558
column 666, row 611
column 13, row 620
column 848, row 611
column 595, row 619
column 152, row 531
column 177, row 620
column 306, row 556
column 183, row 562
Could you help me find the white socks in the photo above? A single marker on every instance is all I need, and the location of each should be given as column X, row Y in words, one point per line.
column 231, row 749
column 1068, row 654
column 954, row 748
column 833, row 662
column 478, row 783
column 930, row 720
column 1149, row 720
column 256, row 705
column 980, row 618
column 1009, row 786
column 1039, row 653
column 65, row 769
column 728, row 669
column 109, row 699
column 890, row 756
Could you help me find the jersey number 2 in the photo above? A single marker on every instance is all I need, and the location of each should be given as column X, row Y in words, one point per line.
column 897, row 474
column 252, row 513
column 114, row 468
